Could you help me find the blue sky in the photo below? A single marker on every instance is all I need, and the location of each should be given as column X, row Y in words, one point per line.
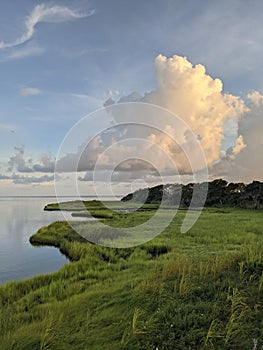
column 61, row 60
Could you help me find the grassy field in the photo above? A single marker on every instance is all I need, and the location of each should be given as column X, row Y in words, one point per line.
column 198, row 290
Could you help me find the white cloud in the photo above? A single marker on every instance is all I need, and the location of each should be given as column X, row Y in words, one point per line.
column 22, row 164
column 17, row 53
column 29, row 91
column 19, row 163
column 48, row 14
column 46, row 164
column 213, row 116
column 23, row 170
column 256, row 99
column 244, row 161
column 197, row 98
column 192, row 95
column 133, row 97
column 238, row 146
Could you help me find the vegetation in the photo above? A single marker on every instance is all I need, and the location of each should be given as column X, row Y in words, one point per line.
column 198, row 290
column 219, row 194
column 96, row 207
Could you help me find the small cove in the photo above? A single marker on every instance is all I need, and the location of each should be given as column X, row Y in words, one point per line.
column 20, row 217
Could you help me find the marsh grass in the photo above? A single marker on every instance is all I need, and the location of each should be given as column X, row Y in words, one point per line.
column 199, row 290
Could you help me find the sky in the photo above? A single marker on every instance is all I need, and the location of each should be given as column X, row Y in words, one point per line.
column 62, row 60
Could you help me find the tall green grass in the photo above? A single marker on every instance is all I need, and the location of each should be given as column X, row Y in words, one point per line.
column 199, row 290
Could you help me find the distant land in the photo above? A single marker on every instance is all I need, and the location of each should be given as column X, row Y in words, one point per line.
column 220, row 193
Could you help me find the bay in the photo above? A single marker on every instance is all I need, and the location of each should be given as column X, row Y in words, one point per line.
column 20, row 217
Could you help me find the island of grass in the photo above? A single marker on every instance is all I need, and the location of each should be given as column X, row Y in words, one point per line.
column 198, row 290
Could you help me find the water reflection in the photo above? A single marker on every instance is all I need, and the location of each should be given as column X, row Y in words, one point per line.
column 19, row 219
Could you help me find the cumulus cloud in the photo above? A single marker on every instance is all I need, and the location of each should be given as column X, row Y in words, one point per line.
column 84, row 158
column 44, row 13
column 112, row 149
column 23, row 170
column 192, row 95
column 22, row 164
column 102, row 152
column 238, row 146
column 46, row 164
column 19, row 163
column 28, row 91
column 244, row 161
column 133, row 97
column 197, row 98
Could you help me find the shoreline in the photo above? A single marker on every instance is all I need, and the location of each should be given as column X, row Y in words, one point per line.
column 131, row 296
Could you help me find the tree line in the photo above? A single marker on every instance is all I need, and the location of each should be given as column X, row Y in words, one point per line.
column 219, row 193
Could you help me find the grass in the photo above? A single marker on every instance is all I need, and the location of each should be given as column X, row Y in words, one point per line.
column 198, row 290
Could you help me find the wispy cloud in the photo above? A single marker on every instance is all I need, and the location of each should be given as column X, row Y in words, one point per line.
column 91, row 101
column 9, row 127
column 73, row 54
column 48, row 14
column 22, row 52
column 25, row 180
column 29, row 91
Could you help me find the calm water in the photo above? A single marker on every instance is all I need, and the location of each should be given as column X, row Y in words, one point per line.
column 19, row 219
